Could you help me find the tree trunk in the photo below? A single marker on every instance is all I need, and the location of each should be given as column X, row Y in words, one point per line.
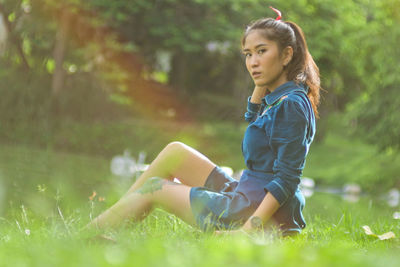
column 178, row 72
column 59, row 54
column 16, row 40
column 3, row 34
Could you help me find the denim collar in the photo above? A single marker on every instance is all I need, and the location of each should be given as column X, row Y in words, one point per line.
column 283, row 90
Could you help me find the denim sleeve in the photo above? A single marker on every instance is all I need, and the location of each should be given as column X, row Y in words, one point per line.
column 252, row 111
column 290, row 144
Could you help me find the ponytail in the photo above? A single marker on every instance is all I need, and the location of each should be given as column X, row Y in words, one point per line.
column 302, row 67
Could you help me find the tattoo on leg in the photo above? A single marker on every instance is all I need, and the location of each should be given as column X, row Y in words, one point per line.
column 153, row 184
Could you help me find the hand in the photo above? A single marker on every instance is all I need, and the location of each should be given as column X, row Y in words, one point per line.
column 258, row 93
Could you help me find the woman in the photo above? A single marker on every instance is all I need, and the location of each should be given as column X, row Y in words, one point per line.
column 281, row 114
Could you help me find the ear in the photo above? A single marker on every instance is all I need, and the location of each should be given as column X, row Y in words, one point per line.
column 287, row 55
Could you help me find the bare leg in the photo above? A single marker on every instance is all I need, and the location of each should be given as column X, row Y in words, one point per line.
column 173, row 197
column 178, row 160
column 175, row 160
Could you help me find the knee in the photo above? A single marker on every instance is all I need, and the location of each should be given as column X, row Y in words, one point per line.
column 176, row 147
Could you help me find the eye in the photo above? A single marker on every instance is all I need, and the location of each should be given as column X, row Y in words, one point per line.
column 261, row 51
column 247, row 54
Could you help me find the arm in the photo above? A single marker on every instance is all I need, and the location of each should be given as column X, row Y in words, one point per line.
column 289, row 140
column 258, row 94
column 254, row 103
column 265, row 211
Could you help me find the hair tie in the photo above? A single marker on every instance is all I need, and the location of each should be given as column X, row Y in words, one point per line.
column 277, row 12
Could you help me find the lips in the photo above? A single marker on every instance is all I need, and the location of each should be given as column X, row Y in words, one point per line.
column 255, row 74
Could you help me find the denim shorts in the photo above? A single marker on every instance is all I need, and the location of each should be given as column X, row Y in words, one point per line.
column 225, row 203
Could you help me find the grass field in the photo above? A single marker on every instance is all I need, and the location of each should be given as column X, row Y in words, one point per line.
column 44, row 202
column 333, row 237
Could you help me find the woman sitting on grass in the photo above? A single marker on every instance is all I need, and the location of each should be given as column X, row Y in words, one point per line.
column 281, row 114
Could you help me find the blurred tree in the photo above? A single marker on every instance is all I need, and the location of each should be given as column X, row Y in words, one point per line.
column 59, row 52
column 10, row 17
column 375, row 114
column 160, row 57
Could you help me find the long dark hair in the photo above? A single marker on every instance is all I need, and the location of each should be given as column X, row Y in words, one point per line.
column 302, row 68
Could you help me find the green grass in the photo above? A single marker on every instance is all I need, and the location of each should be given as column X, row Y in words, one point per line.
column 45, row 193
column 164, row 240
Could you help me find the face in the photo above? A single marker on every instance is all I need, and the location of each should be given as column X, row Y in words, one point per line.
column 264, row 61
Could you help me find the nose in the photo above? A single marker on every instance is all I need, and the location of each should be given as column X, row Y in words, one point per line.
column 254, row 61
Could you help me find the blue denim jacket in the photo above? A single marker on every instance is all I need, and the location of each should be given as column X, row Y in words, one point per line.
column 278, row 137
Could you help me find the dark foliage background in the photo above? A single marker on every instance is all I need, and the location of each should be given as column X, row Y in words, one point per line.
column 179, row 61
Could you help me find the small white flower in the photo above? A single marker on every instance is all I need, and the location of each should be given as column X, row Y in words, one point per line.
column 353, row 189
column 307, row 192
column 393, row 197
column 307, row 182
column 396, row 215
column 27, row 232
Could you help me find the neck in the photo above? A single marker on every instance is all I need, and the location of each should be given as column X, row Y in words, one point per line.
column 278, row 82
